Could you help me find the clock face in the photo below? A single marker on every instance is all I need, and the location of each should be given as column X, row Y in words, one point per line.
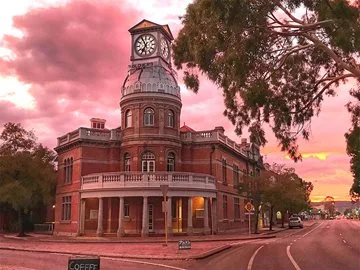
column 164, row 49
column 145, row 45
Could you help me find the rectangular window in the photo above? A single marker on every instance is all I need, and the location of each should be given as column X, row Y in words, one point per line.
column 126, row 210
column 127, row 165
column 66, row 208
column 225, row 207
column 170, row 165
column 236, row 208
column 224, row 170
column 235, row 175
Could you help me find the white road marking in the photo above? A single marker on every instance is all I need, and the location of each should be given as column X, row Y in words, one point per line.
column 252, row 258
column 297, row 267
column 344, row 241
column 312, row 230
column 143, row 262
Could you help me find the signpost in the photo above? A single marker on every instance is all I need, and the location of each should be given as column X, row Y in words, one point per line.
column 249, row 208
column 164, row 190
column 82, row 263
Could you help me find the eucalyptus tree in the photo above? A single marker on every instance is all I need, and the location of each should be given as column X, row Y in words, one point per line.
column 275, row 61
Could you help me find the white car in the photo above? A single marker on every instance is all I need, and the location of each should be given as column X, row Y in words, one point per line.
column 295, row 222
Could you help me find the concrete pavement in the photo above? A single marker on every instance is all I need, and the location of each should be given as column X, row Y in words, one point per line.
column 131, row 247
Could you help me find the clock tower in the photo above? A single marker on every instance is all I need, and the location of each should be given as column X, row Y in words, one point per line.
column 150, row 42
column 150, row 102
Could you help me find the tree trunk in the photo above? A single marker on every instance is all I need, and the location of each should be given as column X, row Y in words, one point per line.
column 282, row 219
column 21, row 223
column 256, row 227
column 271, row 217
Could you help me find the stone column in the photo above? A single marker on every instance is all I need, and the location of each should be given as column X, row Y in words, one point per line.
column 120, row 231
column 100, row 229
column 206, row 216
column 145, row 218
column 109, row 214
column 169, row 216
column 214, row 216
column 189, row 219
column 81, row 223
column 82, row 216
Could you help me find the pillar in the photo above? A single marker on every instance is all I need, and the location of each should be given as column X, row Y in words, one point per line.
column 145, row 218
column 189, row 219
column 109, row 214
column 206, row 216
column 169, row 216
column 100, row 229
column 120, row 231
column 81, row 226
column 214, row 216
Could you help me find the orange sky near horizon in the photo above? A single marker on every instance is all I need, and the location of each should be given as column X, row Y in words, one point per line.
column 75, row 75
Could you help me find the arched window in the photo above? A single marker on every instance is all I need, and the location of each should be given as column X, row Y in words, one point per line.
column 71, row 170
column 149, row 87
column 68, row 170
column 149, row 117
column 171, row 162
column 148, row 162
column 127, row 161
column 128, row 119
column 65, row 170
column 224, row 165
column 170, row 119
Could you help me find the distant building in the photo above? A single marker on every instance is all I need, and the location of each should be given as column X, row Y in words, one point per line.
column 111, row 180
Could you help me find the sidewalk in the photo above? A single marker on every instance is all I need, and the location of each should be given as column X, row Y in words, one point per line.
column 131, row 247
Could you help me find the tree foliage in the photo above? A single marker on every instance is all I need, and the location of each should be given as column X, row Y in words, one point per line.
column 275, row 60
column 353, row 147
column 281, row 188
column 27, row 174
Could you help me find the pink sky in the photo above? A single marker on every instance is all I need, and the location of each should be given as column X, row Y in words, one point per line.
column 63, row 62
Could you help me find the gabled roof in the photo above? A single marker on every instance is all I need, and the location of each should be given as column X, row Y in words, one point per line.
column 186, row 128
column 146, row 24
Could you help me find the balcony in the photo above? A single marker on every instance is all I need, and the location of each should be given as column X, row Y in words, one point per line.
column 119, row 180
column 90, row 134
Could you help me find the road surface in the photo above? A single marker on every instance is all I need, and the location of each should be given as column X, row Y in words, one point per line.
column 330, row 245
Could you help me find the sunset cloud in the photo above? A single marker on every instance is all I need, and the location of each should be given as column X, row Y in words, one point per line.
column 63, row 62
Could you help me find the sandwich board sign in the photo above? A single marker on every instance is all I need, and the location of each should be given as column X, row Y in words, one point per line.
column 84, row 263
column 184, row 244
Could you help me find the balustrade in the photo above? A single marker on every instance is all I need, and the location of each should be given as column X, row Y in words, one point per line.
column 139, row 179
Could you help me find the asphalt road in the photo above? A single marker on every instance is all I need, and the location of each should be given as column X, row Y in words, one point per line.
column 330, row 245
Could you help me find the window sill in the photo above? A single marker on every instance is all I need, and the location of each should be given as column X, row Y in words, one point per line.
column 225, row 220
column 65, row 221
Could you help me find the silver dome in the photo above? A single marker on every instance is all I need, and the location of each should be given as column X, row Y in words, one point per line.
column 150, row 79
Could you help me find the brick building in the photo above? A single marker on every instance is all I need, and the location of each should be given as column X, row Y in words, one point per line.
column 111, row 181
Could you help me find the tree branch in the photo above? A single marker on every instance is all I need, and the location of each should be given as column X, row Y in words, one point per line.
column 332, row 80
column 355, row 71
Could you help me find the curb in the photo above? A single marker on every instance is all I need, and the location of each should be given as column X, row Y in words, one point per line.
column 148, row 241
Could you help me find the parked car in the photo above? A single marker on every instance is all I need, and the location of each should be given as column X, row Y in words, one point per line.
column 295, row 222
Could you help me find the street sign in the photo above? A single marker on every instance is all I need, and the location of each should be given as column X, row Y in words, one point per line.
column 89, row 263
column 249, row 207
column 184, row 244
column 164, row 189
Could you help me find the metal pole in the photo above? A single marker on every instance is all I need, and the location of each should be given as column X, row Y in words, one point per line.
column 249, row 223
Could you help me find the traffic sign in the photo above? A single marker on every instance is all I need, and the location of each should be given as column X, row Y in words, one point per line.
column 249, row 207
